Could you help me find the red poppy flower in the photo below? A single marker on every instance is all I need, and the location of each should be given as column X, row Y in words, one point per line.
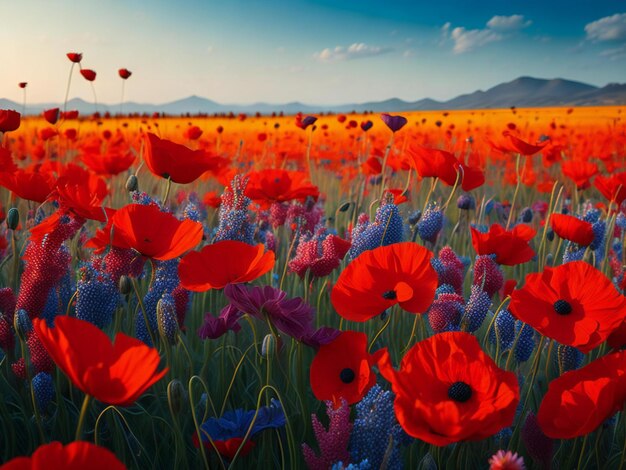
column 448, row 390
column 9, row 120
column 30, row 185
column 115, row 373
column 80, row 200
column 472, row 177
column 74, row 456
column 75, row 57
column 227, row 448
column 88, row 74
column 268, row 186
column 52, row 115
column 193, row 133
column 124, row 73
column 517, row 145
column 114, row 161
column 580, row 172
column 572, row 228
column 212, row 199
column 433, row 163
column 222, row 263
column 372, row 166
column 573, row 303
column 343, row 369
column 378, row 279
column 581, row 400
column 613, row 187
column 182, row 165
column 510, row 247
column 148, row 230
column 22, row 84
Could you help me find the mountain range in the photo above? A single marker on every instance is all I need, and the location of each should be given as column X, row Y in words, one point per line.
column 521, row 92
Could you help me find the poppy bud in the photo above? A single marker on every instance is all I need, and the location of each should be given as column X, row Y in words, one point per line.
column 13, row 218
column 549, row 259
column 176, row 396
column 268, row 347
column 22, row 324
column 124, row 285
column 345, row 206
column 132, row 183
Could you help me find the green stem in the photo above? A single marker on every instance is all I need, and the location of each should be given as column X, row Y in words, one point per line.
column 81, row 418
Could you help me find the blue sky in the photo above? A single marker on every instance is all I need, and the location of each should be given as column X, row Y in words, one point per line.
column 318, row 52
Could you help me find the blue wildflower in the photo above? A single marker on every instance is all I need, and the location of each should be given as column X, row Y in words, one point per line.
column 43, row 387
column 376, row 435
column 525, row 343
column 431, row 223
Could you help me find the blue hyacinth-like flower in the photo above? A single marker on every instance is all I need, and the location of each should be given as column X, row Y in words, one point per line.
column 166, row 318
column 476, row 309
column 444, row 289
column 363, row 465
column 387, row 228
column 165, row 281
column 503, row 330
column 97, row 297
column 568, row 358
column 376, row 434
column 234, row 218
column 525, row 215
column 43, row 388
column 525, row 343
column 573, row 253
column 620, row 221
column 599, row 231
column 431, row 223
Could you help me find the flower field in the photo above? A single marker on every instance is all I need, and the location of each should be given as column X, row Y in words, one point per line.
column 427, row 290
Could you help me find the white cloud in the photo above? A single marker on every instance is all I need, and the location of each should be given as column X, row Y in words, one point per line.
column 354, row 51
column 609, row 28
column 496, row 29
column 508, row 23
column 466, row 40
column 615, row 53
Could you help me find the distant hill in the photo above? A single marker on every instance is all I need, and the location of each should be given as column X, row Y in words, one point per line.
column 521, row 92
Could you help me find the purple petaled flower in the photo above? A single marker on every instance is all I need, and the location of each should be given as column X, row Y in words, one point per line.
column 395, row 123
column 307, row 121
column 320, row 337
column 291, row 316
column 366, row 125
column 214, row 327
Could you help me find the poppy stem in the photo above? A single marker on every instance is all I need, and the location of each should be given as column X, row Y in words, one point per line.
column 380, row 332
column 168, row 186
column 517, row 186
column 67, row 90
column 382, row 172
column 81, row 418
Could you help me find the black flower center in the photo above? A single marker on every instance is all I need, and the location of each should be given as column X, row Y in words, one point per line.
column 460, row 391
column 562, row 307
column 390, row 295
column 347, row 375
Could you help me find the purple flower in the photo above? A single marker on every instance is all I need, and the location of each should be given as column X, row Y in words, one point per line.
column 214, row 327
column 291, row 316
column 321, row 336
column 307, row 121
column 395, row 123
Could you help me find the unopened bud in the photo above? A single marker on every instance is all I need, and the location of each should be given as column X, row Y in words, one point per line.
column 344, row 207
column 268, row 347
column 125, row 285
column 13, row 218
column 132, row 183
column 22, row 324
column 176, row 396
